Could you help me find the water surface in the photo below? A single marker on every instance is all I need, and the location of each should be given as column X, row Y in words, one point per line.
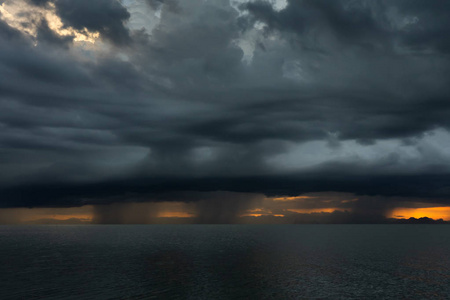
column 225, row 262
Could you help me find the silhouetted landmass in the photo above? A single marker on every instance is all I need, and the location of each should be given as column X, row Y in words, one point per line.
column 423, row 220
column 337, row 217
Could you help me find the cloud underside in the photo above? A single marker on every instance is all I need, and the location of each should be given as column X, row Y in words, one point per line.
column 122, row 101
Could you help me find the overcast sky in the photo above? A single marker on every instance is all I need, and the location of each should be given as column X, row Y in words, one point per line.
column 160, row 100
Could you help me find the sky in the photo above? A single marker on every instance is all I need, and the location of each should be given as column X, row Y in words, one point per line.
column 234, row 111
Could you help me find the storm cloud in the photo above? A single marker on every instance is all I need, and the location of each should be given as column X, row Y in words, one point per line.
column 117, row 101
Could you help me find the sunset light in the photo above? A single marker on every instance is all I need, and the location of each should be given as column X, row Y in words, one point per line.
column 429, row 212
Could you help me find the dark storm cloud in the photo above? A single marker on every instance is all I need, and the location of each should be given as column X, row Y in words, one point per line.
column 39, row 2
column 104, row 16
column 375, row 24
column 206, row 101
column 433, row 29
column 347, row 20
column 330, row 32
column 429, row 188
column 46, row 35
column 7, row 33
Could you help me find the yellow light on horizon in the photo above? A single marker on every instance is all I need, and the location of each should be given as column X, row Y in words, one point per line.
column 59, row 217
column 262, row 215
column 442, row 212
column 292, row 198
column 175, row 214
column 315, row 210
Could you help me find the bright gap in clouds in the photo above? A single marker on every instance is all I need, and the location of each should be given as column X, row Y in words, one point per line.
column 142, row 16
column 27, row 18
column 249, row 40
column 277, row 5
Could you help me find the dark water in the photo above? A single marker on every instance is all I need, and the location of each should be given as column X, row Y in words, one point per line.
column 225, row 262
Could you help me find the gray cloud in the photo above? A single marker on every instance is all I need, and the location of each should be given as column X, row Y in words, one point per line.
column 124, row 213
column 46, row 35
column 169, row 5
column 39, row 2
column 104, row 16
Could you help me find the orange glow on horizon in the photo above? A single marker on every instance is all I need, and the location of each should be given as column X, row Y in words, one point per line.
column 315, row 210
column 61, row 217
column 262, row 215
column 259, row 212
column 436, row 213
column 175, row 214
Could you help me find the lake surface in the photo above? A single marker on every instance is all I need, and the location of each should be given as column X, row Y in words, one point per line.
column 225, row 262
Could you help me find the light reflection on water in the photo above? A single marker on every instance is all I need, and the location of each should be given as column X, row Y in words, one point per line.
column 225, row 262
